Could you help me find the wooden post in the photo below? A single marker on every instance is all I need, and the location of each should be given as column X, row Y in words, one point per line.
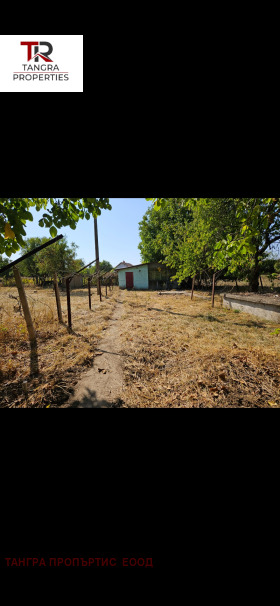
column 96, row 251
column 34, row 368
column 89, row 292
column 99, row 287
column 193, row 281
column 68, row 280
column 58, row 302
column 25, row 307
column 213, row 291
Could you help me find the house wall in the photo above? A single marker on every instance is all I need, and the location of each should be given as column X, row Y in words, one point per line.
column 160, row 275
column 140, row 277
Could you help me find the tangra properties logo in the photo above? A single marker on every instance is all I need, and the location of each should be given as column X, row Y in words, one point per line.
column 39, row 65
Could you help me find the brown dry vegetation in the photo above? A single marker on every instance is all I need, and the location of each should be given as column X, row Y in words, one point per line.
column 61, row 356
column 178, row 353
column 243, row 286
column 183, row 354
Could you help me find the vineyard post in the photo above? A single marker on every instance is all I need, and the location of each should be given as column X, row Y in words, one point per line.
column 99, row 288
column 68, row 280
column 28, row 320
column 96, row 250
column 58, row 302
column 193, row 281
column 89, row 292
column 213, row 290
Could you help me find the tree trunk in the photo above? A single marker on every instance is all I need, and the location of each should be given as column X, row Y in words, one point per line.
column 254, row 276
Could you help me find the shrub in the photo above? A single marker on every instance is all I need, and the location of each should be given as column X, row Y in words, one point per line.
column 277, row 266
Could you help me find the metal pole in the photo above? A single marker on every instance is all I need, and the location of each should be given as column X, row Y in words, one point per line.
column 96, row 250
column 193, row 281
column 89, row 292
column 58, row 302
column 213, row 291
column 68, row 280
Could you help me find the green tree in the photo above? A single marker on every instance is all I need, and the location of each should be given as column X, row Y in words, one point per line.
column 161, row 231
column 29, row 267
column 103, row 266
column 260, row 228
column 212, row 221
column 4, row 261
column 277, row 266
column 15, row 212
column 258, row 221
column 59, row 258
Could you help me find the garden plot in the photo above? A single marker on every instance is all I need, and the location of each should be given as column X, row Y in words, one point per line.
column 62, row 356
column 180, row 353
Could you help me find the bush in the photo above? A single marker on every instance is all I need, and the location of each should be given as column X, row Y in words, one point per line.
column 277, row 266
column 267, row 267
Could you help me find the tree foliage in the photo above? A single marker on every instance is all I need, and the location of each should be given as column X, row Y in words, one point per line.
column 15, row 212
column 3, row 262
column 232, row 235
column 161, row 230
column 277, row 266
column 103, row 266
column 59, row 258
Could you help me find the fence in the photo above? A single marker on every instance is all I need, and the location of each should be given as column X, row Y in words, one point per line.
column 23, row 298
column 32, row 317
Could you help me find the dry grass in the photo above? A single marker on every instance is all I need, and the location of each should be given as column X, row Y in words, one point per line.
column 178, row 353
column 243, row 286
column 61, row 356
column 186, row 354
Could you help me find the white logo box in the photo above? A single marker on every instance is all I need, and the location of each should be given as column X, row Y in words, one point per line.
column 67, row 55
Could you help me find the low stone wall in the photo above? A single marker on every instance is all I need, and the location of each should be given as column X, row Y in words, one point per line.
column 267, row 308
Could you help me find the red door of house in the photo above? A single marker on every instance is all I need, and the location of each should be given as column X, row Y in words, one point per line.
column 129, row 279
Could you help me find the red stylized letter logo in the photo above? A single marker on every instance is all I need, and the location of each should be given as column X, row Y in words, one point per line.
column 37, row 54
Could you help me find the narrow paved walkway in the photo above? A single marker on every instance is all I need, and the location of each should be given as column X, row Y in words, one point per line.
column 101, row 386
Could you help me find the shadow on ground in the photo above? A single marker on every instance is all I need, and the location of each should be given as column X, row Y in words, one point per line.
column 210, row 318
column 90, row 401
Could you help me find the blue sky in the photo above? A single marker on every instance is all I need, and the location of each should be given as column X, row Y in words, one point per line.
column 118, row 232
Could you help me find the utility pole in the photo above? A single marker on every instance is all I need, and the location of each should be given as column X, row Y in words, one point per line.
column 96, row 252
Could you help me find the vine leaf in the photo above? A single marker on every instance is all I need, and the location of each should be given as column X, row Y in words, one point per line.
column 9, row 232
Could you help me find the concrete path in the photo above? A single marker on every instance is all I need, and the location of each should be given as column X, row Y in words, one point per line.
column 101, row 386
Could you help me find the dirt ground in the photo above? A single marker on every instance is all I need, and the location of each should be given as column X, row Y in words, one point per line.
column 62, row 356
column 180, row 353
column 169, row 352
column 101, row 386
